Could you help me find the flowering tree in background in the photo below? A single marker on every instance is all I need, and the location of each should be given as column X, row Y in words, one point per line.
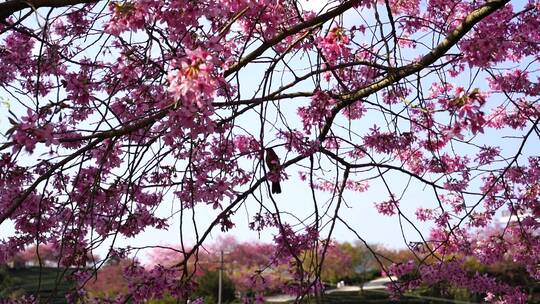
column 111, row 282
column 112, row 110
column 255, row 273
column 37, row 255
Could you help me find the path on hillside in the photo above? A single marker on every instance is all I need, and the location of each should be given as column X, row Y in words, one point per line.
column 377, row 285
column 371, row 285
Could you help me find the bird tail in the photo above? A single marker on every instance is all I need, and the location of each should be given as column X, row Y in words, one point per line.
column 276, row 187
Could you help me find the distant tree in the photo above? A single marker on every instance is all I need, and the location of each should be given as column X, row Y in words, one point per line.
column 208, row 286
column 50, row 255
column 338, row 263
column 365, row 266
column 252, row 268
column 387, row 257
column 250, row 265
column 39, row 255
column 110, row 280
column 362, row 258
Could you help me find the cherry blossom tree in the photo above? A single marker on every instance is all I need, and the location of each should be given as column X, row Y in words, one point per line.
column 112, row 110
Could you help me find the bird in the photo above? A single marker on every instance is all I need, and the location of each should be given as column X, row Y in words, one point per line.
column 272, row 161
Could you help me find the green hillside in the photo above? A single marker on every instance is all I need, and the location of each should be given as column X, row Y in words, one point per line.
column 26, row 281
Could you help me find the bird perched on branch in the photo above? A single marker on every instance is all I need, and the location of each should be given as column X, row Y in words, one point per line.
column 272, row 161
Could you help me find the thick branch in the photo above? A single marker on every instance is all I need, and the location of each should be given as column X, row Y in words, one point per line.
column 396, row 75
column 12, row 6
column 288, row 32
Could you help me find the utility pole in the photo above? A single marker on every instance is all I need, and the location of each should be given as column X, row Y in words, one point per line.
column 220, row 275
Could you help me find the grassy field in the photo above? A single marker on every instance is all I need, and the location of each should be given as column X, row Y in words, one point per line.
column 50, row 289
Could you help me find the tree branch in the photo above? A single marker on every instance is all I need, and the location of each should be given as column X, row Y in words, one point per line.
column 12, row 6
column 396, row 75
column 288, row 32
